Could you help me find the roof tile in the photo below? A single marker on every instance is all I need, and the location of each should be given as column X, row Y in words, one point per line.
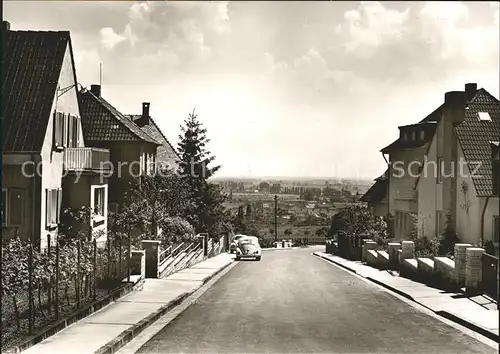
column 475, row 136
column 31, row 64
column 103, row 122
column 165, row 152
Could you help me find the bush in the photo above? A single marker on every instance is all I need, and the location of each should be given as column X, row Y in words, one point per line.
column 425, row 247
column 357, row 219
column 174, row 231
column 448, row 240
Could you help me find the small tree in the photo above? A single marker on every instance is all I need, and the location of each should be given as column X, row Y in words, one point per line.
column 195, row 171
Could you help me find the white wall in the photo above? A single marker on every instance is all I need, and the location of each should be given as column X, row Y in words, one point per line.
column 469, row 207
column 52, row 161
column 428, row 191
column 402, row 195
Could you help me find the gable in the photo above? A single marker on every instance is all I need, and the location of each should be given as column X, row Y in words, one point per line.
column 32, row 63
column 103, row 122
column 475, row 136
column 165, row 152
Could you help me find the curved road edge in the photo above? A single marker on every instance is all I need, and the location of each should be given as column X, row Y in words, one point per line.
column 477, row 332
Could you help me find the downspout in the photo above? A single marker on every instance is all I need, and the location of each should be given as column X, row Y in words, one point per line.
column 482, row 220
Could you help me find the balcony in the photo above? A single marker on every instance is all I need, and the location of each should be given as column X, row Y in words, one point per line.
column 86, row 159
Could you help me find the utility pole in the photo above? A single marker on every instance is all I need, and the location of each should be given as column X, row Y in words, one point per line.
column 276, row 218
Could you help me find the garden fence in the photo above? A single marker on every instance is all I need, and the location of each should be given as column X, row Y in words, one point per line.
column 40, row 288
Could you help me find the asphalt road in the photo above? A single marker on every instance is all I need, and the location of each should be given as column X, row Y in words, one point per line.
column 293, row 302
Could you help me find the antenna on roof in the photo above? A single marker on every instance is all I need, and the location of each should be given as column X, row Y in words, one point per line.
column 100, row 74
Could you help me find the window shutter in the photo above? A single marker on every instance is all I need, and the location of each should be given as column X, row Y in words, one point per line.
column 63, row 129
column 57, row 129
column 70, row 130
column 77, row 131
column 59, row 203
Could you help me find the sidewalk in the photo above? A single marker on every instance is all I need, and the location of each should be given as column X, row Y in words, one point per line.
column 473, row 313
column 122, row 320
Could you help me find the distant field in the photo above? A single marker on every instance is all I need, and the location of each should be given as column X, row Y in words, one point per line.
column 297, row 232
column 261, row 196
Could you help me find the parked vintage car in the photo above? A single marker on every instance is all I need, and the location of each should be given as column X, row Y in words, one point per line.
column 234, row 242
column 248, row 248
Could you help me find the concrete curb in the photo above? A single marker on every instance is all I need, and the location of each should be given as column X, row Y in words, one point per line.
column 444, row 314
column 126, row 336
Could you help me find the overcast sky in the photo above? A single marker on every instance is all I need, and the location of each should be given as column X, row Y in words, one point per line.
column 284, row 88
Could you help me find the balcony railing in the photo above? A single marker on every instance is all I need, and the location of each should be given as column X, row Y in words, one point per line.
column 86, row 159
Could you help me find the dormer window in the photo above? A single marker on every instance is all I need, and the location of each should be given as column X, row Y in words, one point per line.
column 484, row 116
column 422, row 135
column 405, row 136
column 413, row 136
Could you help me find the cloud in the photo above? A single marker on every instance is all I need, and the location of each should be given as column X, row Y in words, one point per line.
column 371, row 25
column 109, row 38
column 281, row 77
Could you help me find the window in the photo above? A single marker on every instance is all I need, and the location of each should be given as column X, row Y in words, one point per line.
column 496, row 229
column 439, row 177
column 405, row 136
column 66, row 130
column 422, row 135
column 143, row 162
column 13, row 201
column 484, row 116
column 99, row 194
column 413, row 136
column 53, row 207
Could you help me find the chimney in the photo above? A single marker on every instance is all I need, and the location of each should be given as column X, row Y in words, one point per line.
column 454, row 106
column 470, row 91
column 144, row 120
column 96, row 90
column 145, row 110
column 453, row 114
column 6, row 25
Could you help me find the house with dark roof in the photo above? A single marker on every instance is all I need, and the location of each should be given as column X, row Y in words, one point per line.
column 46, row 164
column 166, row 155
column 405, row 156
column 459, row 182
column 132, row 150
column 377, row 196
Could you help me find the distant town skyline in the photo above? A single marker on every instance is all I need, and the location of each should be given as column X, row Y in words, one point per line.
column 318, row 90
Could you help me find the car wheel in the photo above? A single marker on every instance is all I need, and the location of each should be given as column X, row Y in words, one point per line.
column 238, row 258
column 258, row 258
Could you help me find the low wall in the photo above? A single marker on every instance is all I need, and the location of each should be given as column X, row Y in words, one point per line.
column 444, row 269
column 409, row 269
column 371, row 258
column 383, row 260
